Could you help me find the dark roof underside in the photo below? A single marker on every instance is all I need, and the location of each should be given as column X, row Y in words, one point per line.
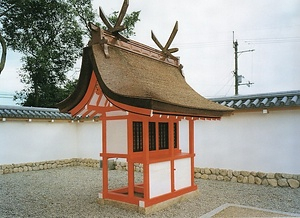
column 140, row 81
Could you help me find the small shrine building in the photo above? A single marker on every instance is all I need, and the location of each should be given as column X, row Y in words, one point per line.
column 140, row 95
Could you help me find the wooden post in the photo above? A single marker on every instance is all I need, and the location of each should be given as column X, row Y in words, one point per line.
column 172, row 159
column 130, row 163
column 146, row 158
column 104, row 160
column 191, row 148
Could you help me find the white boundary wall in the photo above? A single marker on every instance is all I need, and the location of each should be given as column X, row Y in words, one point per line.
column 23, row 141
column 250, row 141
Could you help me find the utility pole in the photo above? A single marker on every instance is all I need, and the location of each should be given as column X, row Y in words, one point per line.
column 237, row 78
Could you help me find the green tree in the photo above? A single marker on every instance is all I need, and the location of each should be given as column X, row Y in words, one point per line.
column 129, row 22
column 50, row 37
column 49, row 33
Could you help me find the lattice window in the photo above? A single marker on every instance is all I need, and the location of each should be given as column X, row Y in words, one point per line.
column 163, row 129
column 152, row 136
column 137, row 129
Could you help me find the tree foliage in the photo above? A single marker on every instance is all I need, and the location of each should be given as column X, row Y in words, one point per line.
column 129, row 22
column 49, row 34
column 51, row 39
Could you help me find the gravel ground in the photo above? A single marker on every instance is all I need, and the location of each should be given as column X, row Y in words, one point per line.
column 72, row 192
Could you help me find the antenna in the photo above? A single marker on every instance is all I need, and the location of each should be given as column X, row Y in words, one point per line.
column 238, row 78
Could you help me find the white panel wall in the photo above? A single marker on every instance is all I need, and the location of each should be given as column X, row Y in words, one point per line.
column 182, row 173
column 250, row 141
column 160, row 178
column 89, row 139
column 23, row 142
column 184, row 135
column 116, row 132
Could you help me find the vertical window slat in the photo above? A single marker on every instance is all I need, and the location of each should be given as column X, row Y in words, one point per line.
column 152, row 136
column 163, row 136
column 137, row 136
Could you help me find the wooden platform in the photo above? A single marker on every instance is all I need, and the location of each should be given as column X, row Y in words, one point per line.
column 150, row 209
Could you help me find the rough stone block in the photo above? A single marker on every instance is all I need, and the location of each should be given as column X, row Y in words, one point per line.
column 220, row 178
column 207, row 171
column 240, row 178
column 236, row 173
column 283, row 183
column 245, row 173
column 272, row 182
column 270, row 175
column 293, row 183
column 212, row 177
column 245, row 179
column 278, row 176
column 287, row 176
column 226, row 178
column 16, row 170
column 265, row 182
column 197, row 175
column 204, row 176
column 223, row 172
column 233, row 179
column 257, row 180
column 197, row 170
column 261, row 175
column 212, row 170
column 229, row 173
column 251, row 179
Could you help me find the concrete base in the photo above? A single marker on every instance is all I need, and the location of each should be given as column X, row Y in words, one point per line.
column 152, row 208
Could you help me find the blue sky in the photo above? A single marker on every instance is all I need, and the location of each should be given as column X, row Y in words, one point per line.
column 204, row 39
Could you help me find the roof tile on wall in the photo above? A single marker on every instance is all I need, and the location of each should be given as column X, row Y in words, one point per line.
column 268, row 100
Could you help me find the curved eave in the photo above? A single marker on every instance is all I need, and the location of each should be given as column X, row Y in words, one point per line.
column 82, row 86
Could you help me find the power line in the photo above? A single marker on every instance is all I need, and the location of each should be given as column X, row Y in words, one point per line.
column 273, row 40
column 193, row 45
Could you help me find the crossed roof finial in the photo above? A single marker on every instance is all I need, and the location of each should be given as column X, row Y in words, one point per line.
column 117, row 27
column 165, row 49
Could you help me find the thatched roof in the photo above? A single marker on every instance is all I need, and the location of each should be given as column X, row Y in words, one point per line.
column 137, row 79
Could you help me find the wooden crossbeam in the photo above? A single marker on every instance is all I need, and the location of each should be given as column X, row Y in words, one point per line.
column 117, row 27
column 165, row 49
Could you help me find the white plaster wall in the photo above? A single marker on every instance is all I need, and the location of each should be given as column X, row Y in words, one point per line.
column 184, row 135
column 116, row 131
column 89, row 139
column 159, row 178
column 244, row 141
column 23, row 142
column 182, row 173
column 250, row 141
